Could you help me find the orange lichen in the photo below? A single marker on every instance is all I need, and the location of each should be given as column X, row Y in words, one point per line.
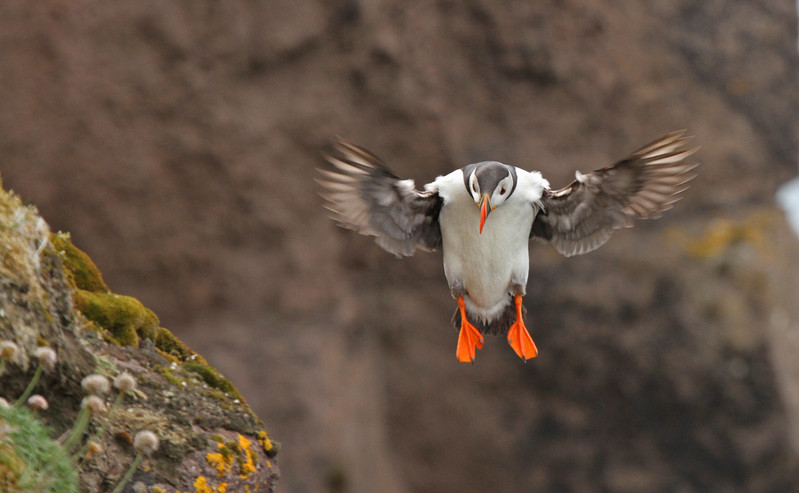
column 247, row 458
column 201, row 485
column 222, row 460
column 239, row 452
column 268, row 445
column 722, row 233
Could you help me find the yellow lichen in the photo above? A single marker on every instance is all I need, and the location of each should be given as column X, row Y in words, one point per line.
column 157, row 489
column 247, row 459
column 201, row 485
column 239, row 452
column 222, row 460
column 270, row 447
column 722, row 233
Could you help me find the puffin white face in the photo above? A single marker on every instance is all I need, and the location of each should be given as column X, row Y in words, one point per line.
column 502, row 191
column 490, row 184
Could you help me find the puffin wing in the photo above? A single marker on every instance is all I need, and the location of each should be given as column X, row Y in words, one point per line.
column 366, row 196
column 582, row 216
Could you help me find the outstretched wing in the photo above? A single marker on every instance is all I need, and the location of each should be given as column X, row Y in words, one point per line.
column 366, row 196
column 582, row 216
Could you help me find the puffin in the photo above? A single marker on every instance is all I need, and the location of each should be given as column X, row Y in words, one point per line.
column 484, row 216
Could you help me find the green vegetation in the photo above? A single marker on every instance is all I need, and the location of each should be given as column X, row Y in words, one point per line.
column 212, row 377
column 172, row 346
column 81, row 271
column 30, row 461
column 124, row 317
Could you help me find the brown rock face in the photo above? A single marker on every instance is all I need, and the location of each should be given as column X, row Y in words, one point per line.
column 177, row 142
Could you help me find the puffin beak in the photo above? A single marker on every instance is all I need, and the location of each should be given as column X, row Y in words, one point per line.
column 485, row 209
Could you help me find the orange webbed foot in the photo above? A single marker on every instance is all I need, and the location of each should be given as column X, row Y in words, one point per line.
column 518, row 337
column 469, row 339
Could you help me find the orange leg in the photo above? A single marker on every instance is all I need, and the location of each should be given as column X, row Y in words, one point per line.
column 518, row 337
column 469, row 339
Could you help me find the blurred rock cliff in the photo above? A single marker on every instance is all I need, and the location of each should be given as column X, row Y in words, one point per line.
column 177, row 142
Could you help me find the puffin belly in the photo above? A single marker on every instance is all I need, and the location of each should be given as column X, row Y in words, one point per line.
column 486, row 264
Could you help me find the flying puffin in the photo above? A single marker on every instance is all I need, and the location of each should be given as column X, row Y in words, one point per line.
column 486, row 260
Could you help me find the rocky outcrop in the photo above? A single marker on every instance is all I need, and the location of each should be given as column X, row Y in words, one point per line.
column 53, row 296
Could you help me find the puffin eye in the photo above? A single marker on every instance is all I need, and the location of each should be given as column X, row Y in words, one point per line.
column 502, row 192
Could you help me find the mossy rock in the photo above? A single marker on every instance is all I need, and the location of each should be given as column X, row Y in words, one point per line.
column 124, row 317
column 30, row 461
column 82, row 273
column 212, row 377
column 54, row 295
column 172, row 346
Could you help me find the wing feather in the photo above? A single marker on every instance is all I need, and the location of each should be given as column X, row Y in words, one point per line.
column 583, row 215
column 365, row 196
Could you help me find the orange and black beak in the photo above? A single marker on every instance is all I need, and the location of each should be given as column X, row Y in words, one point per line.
column 485, row 209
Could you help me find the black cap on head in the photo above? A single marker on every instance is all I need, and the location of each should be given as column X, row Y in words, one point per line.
column 488, row 174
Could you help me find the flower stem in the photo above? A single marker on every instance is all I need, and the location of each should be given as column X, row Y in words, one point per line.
column 77, row 430
column 128, row 474
column 97, row 435
column 29, row 388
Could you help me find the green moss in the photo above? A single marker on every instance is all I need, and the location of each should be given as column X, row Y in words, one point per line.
column 221, row 397
column 229, row 449
column 149, row 328
column 81, row 270
column 124, row 317
column 169, row 375
column 212, row 377
column 125, row 321
column 30, row 461
column 171, row 345
column 89, row 325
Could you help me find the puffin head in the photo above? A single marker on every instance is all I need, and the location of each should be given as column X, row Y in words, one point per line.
column 490, row 184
